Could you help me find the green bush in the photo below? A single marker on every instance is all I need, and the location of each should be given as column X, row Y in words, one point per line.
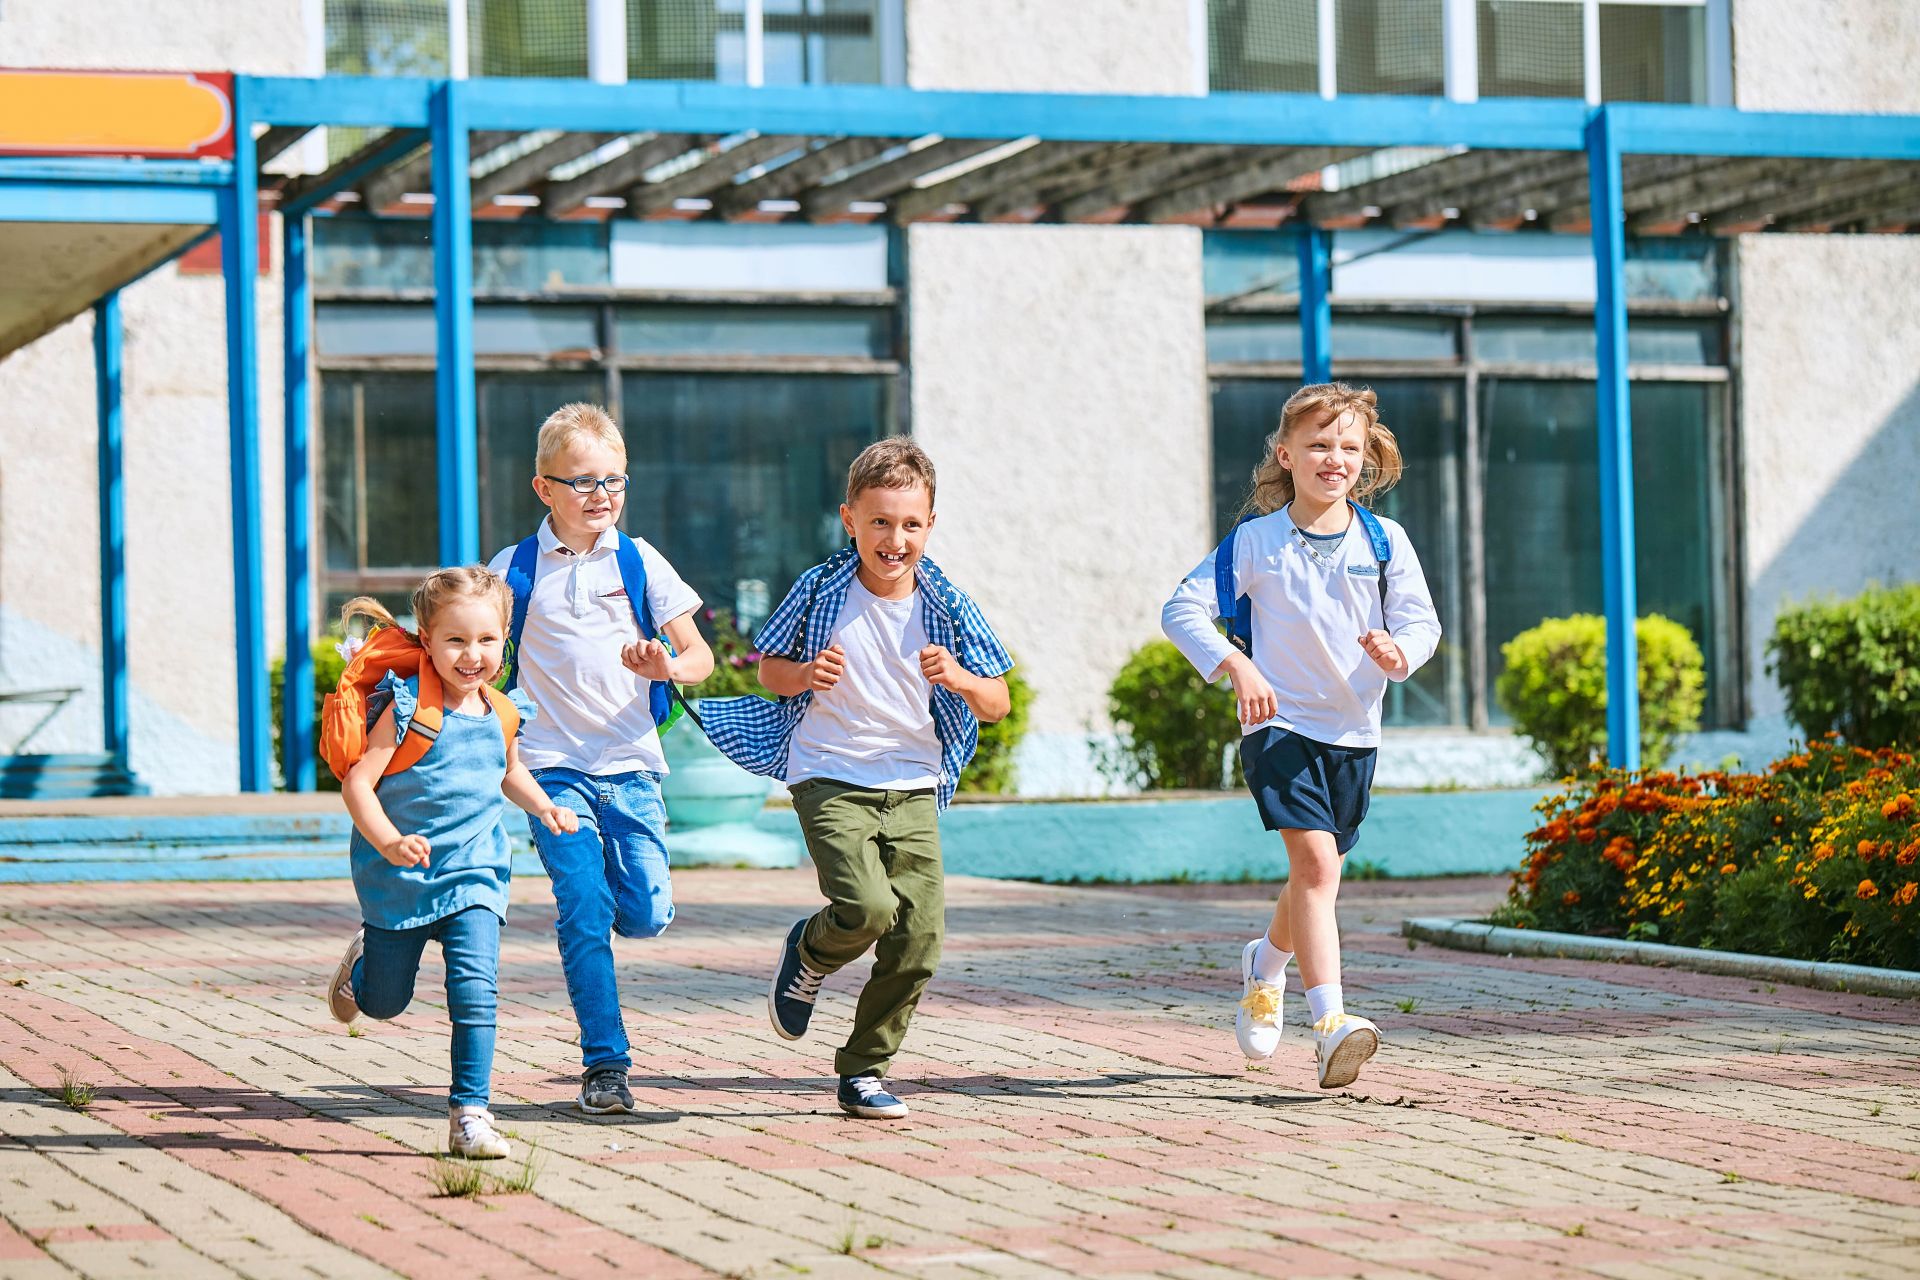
column 1555, row 688
column 1852, row 667
column 736, row 663
column 327, row 666
column 1172, row 724
column 992, row 771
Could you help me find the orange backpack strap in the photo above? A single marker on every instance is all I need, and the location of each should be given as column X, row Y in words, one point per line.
column 506, row 713
column 424, row 729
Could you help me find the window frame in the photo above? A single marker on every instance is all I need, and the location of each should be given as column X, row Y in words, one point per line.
column 1728, row 645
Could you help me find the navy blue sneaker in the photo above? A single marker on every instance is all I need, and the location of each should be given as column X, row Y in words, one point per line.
column 866, row 1097
column 795, row 987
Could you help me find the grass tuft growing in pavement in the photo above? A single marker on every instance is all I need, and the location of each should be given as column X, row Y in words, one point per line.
column 74, row 1091
column 455, row 1177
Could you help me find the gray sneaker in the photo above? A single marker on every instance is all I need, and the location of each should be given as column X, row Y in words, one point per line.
column 604, row 1091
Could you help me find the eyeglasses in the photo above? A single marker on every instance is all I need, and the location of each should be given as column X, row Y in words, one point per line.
column 585, row 485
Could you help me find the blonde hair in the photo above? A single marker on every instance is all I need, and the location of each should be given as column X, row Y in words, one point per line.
column 470, row 582
column 1327, row 402
column 893, row 463
column 572, row 422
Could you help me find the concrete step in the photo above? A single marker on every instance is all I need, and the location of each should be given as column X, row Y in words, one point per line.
column 62, row 777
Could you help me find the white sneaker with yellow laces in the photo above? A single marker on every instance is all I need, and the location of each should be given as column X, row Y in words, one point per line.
column 1342, row 1043
column 1256, row 1025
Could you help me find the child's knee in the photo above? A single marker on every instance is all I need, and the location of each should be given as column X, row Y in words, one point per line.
column 647, row 918
column 868, row 918
column 383, row 1007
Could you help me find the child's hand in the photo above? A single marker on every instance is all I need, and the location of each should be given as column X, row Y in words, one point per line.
column 648, row 659
column 407, row 851
column 941, row 667
column 1381, row 648
column 560, row 820
column 826, row 668
column 1253, row 697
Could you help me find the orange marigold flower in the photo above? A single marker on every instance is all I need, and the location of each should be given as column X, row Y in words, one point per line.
column 1572, row 896
column 1907, row 855
column 1864, row 848
column 1728, row 869
column 1906, row 893
column 1898, row 807
column 1822, row 851
column 1867, row 889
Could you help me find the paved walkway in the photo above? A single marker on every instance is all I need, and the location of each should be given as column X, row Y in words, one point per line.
column 1079, row 1108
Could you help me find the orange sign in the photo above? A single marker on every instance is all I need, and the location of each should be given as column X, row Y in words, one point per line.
column 175, row 114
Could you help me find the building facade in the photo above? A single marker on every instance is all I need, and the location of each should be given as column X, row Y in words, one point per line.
column 1094, row 396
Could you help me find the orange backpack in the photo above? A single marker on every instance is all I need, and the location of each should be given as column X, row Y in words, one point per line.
column 343, row 720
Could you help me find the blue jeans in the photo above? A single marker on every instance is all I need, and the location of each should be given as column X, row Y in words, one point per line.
column 470, row 947
column 608, row 877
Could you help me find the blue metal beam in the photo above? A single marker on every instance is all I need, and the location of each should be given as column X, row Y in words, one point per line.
column 113, row 554
column 1651, row 128
column 454, row 396
column 112, row 169
column 1316, row 309
column 62, row 201
column 396, row 102
column 296, row 690
column 395, row 146
column 239, row 256
column 1616, row 442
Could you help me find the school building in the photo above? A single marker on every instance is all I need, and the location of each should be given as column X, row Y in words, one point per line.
column 1093, row 395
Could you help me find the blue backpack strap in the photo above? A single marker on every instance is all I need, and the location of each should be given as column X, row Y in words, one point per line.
column 1228, row 602
column 633, row 577
column 1382, row 548
column 526, row 562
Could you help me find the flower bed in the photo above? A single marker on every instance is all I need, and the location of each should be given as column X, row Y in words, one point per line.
column 1817, row 858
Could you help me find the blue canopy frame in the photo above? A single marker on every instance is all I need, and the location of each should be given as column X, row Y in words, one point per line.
column 445, row 113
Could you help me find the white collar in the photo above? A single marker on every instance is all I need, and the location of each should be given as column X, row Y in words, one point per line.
column 550, row 541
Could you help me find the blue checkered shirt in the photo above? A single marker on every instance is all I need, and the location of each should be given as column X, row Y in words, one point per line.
column 755, row 733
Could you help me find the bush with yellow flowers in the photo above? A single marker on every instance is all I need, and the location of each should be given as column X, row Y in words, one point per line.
column 1816, row 858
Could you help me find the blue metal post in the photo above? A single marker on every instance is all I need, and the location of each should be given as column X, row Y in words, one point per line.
column 1316, row 311
column 113, row 557
column 239, row 256
column 296, row 695
column 454, row 397
column 1616, row 442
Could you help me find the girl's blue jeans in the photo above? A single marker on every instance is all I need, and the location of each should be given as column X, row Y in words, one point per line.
column 470, row 945
column 608, row 877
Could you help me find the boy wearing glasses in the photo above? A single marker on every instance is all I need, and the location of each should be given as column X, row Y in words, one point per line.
column 580, row 652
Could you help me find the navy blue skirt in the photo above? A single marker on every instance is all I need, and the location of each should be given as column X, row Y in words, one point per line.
column 1303, row 785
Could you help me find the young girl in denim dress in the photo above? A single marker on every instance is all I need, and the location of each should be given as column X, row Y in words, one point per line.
column 430, row 851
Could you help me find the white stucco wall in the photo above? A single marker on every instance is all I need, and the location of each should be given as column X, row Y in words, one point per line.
column 1829, row 394
column 178, row 513
column 1059, row 377
column 1051, row 46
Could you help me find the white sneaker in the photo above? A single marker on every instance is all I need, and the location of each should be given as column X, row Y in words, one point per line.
column 1342, row 1043
column 340, row 999
column 1256, row 1025
column 470, row 1133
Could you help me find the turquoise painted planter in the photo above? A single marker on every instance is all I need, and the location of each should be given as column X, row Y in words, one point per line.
column 711, row 806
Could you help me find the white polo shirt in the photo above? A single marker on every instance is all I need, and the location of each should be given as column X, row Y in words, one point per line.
column 1307, row 621
column 593, row 712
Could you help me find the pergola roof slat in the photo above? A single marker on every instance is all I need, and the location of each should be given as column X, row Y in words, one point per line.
column 532, row 168
column 797, row 176
column 1446, row 174
column 1069, row 177
column 884, row 180
column 976, row 184
column 622, row 171
column 710, row 175
column 1257, row 178
column 1142, row 179
column 1846, row 181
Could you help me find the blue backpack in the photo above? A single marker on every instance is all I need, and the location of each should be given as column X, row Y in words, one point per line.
column 663, row 694
column 1237, row 609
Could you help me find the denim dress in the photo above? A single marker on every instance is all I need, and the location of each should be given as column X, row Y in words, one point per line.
column 452, row 797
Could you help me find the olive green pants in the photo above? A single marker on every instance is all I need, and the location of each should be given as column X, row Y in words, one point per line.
column 877, row 854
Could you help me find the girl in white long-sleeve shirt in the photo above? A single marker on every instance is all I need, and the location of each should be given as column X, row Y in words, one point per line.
column 1325, row 642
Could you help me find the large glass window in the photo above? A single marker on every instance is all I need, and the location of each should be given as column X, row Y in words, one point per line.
column 527, row 38
column 380, row 498
column 1389, row 46
column 1543, row 520
column 1531, row 49
column 1653, row 53
column 739, row 477
column 386, row 37
column 1264, row 46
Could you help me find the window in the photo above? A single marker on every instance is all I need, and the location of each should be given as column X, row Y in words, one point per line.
column 740, row 417
column 386, row 37
column 1525, row 405
column 1646, row 50
column 527, row 38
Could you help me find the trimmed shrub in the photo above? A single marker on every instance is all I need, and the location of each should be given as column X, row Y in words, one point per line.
column 1555, row 688
column 736, row 663
column 327, row 666
column 1172, row 724
column 1852, row 667
column 992, row 771
column 1817, row 858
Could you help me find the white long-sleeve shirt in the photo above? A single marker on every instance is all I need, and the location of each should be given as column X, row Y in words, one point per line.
column 1307, row 622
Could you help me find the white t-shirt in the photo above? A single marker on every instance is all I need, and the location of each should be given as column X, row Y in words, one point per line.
column 593, row 712
column 874, row 728
column 1307, row 621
